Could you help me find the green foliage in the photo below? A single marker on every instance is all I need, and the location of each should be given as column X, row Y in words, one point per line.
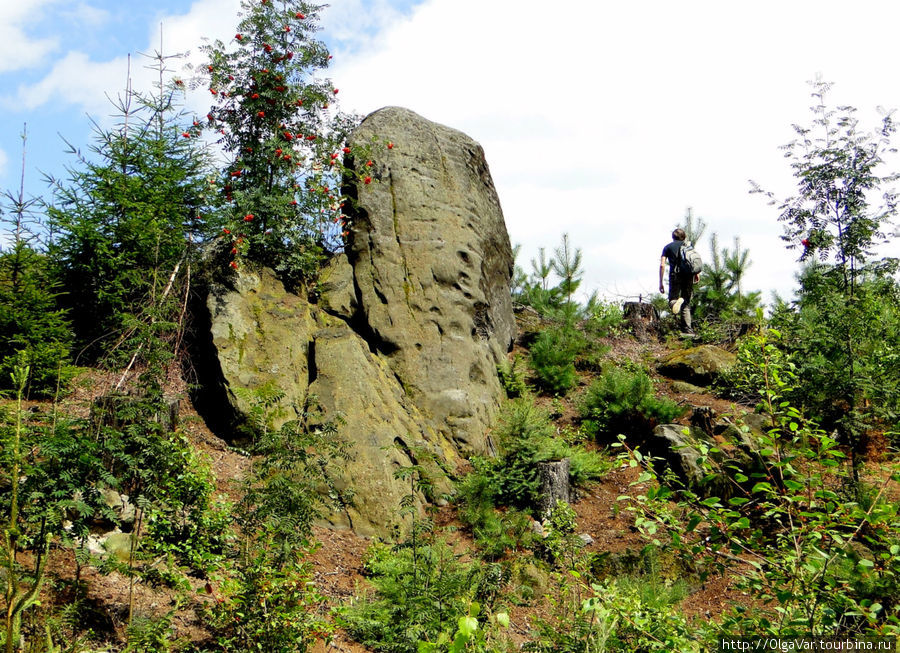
column 720, row 303
column 269, row 602
column 283, row 182
column 526, row 436
column 151, row 635
column 552, row 357
column 614, row 616
column 187, row 522
column 268, row 607
column 835, row 220
column 845, row 349
column 494, row 531
column 603, row 319
column 37, row 333
column 512, row 377
column 282, row 493
column 22, row 588
column 422, row 589
column 561, row 546
column 824, row 555
column 127, row 218
column 470, row 635
column 624, row 402
column 553, row 302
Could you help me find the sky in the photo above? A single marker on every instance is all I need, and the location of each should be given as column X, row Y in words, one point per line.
column 601, row 120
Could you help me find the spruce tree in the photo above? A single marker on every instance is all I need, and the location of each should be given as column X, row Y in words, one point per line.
column 37, row 335
column 130, row 215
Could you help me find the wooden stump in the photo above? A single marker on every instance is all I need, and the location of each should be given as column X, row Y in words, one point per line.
column 554, row 477
column 704, row 418
column 642, row 319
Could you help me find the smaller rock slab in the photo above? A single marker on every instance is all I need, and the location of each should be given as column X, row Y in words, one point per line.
column 697, row 365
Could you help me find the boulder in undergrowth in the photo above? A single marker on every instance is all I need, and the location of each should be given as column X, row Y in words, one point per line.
column 400, row 338
column 697, row 365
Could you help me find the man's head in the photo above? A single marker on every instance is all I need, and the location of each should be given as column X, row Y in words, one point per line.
column 679, row 234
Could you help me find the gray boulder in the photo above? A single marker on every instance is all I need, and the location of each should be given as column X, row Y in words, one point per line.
column 432, row 263
column 358, row 390
column 260, row 337
column 400, row 339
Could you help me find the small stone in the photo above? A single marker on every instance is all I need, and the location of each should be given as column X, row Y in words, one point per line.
column 586, row 539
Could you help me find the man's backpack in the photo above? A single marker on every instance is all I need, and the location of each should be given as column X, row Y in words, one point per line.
column 689, row 261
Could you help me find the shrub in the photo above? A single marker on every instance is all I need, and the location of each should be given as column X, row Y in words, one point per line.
column 512, row 377
column 823, row 549
column 624, row 402
column 526, row 437
column 553, row 358
column 421, row 590
column 614, row 616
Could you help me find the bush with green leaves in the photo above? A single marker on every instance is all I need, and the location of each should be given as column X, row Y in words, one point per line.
column 822, row 554
column 552, row 357
column 421, row 591
column 512, row 377
column 614, row 616
column 267, row 600
column 838, row 219
column 864, row 364
column 525, row 436
column 621, row 401
column 188, row 522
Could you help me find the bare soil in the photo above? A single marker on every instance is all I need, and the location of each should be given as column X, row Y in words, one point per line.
column 338, row 562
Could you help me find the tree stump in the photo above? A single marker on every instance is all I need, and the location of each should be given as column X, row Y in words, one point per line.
column 554, row 478
column 642, row 319
column 704, row 418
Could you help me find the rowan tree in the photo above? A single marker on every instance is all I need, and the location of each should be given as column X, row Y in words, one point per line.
column 847, row 306
column 278, row 125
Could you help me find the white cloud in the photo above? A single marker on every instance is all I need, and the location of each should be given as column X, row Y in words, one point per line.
column 18, row 50
column 78, row 80
column 3, row 162
column 607, row 120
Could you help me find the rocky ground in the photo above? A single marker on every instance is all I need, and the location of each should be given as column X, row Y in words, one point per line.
column 338, row 562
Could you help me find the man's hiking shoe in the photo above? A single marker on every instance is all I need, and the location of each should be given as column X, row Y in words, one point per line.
column 676, row 305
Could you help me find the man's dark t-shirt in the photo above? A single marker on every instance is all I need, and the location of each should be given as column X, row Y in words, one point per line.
column 672, row 252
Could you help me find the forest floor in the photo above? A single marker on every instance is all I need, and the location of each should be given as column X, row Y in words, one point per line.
column 338, row 563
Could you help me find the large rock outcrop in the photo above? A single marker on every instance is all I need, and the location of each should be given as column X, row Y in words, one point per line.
column 402, row 344
column 432, row 264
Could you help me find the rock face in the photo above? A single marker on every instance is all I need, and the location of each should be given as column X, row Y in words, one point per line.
column 260, row 334
column 698, row 365
column 402, row 344
column 432, row 263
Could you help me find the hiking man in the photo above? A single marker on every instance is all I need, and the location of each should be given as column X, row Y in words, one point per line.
column 681, row 282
